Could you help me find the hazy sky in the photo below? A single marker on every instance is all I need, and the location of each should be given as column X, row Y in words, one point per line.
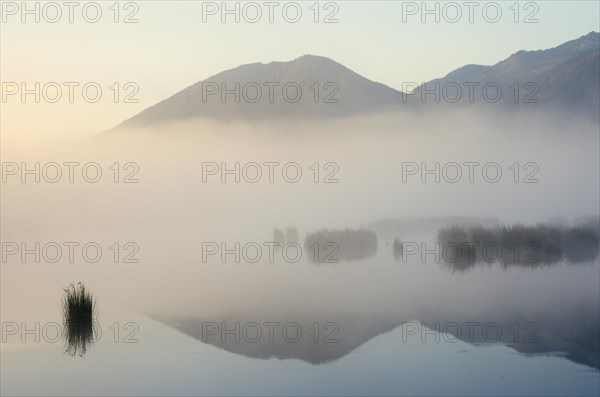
column 170, row 48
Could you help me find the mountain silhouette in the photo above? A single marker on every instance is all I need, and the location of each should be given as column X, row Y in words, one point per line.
column 313, row 87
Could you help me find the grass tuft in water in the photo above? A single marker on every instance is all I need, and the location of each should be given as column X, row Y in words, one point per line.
column 78, row 308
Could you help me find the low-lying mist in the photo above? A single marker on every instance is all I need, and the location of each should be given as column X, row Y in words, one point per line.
column 354, row 171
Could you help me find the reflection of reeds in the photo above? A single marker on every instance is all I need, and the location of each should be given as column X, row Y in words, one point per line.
column 78, row 307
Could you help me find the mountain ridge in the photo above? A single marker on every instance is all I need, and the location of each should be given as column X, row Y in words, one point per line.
column 318, row 87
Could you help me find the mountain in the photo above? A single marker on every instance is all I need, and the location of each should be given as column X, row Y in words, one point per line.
column 340, row 92
column 526, row 65
column 567, row 76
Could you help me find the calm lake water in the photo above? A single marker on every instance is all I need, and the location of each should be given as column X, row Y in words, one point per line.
column 380, row 326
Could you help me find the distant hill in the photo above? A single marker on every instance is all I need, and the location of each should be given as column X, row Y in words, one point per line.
column 567, row 76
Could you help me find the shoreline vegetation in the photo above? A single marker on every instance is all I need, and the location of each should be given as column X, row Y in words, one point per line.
column 530, row 246
column 461, row 242
column 331, row 246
